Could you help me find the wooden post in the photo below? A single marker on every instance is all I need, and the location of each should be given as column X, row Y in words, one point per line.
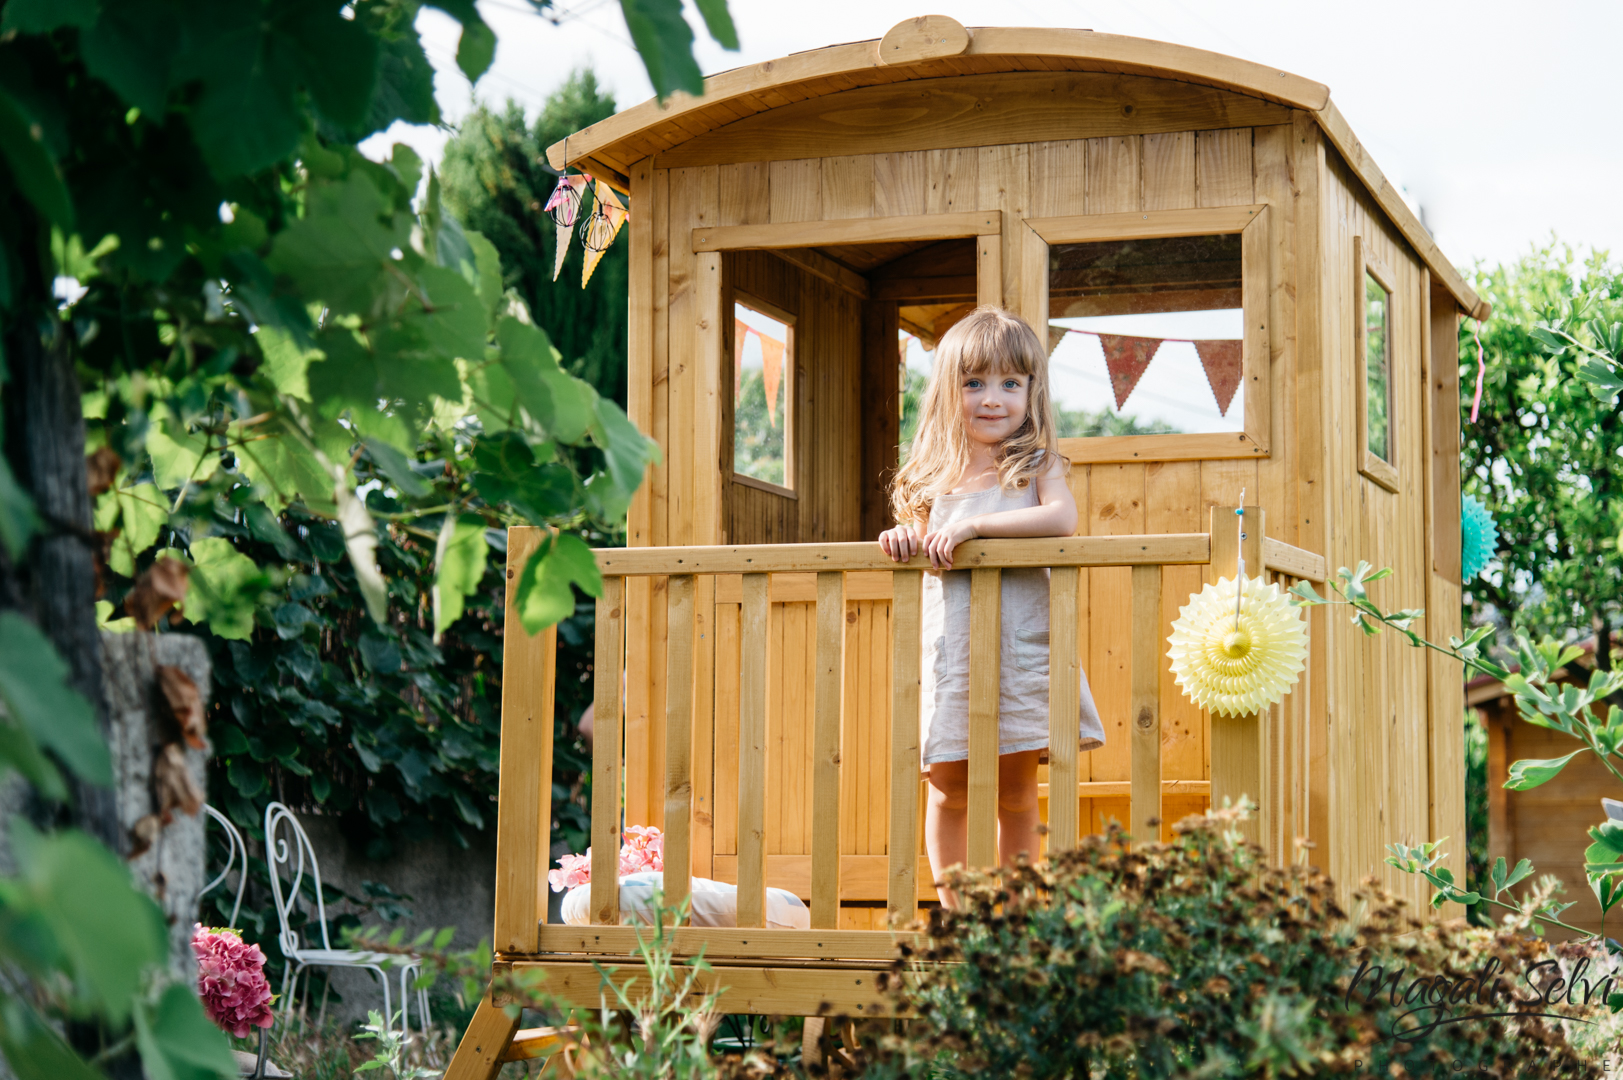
column 830, row 686
column 902, row 890
column 752, row 675
column 1149, row 650
column 606, row 718
column 679, row 740
column 985, row 649
column 1239, row 743
column 524, row 798
column 489, row 1034
column 1064, row 706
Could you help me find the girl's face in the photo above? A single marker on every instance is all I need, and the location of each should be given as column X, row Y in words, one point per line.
column 994, row 405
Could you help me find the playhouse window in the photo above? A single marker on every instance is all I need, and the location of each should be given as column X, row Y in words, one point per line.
column 763, row 395
column 1146, row 336
column 1377, row 368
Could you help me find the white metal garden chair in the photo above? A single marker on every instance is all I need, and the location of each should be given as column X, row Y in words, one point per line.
column 281, row 858
column 236, row 850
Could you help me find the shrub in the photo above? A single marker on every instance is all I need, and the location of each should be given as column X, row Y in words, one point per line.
column 1196, row 958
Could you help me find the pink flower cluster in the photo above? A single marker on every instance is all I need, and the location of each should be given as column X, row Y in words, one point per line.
column 643, row 849
column 231, row 981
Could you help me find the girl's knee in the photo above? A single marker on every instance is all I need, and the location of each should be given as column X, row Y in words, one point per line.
column 1017, row 798
column 949, row 786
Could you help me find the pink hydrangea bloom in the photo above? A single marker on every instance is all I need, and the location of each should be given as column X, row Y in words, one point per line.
column 643, row 848
column 231, row 981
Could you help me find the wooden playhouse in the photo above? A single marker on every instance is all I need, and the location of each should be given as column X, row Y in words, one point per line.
column 833, row 204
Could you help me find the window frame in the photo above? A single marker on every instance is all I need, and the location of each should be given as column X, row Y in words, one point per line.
column 1252, row 224
column 1371, row 465
column 791, row 415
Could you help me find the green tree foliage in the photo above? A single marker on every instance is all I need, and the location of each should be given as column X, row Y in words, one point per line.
column 1546, row 457
column 758, row 436
column 496, row 181
column 293, row 363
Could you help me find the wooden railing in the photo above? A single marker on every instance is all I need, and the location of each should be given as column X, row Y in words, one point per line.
column 527, row 722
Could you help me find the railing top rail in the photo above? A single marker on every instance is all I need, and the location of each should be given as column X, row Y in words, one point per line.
column 1156, row 549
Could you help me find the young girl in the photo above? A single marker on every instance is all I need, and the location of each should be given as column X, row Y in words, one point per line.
column 985, row 463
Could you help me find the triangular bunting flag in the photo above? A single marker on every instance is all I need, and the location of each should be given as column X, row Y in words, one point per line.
column 1223, row 363
column 1125, row 359
column 603, row 232
column 740, row 333
column 1056, row 334
column 569, row 188
column 771, row 372
column 566, row 233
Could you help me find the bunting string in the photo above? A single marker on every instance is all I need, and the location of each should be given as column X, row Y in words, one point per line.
column 1127, row 356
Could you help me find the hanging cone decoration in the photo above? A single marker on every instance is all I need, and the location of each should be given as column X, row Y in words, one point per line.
column 1232, row 664
column 564, row 207
column 771, row 373
column 740, row 333
column 1125, row 359
column 1223, row 363
column 1056, row 334
column 598, row 231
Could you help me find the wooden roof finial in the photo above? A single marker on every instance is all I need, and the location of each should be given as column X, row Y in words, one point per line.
column 928, row 37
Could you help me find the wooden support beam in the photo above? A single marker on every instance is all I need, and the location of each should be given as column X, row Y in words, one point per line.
column 887, row 230
column 917, row 289
column 827, row 713
column 761, row 991
column 720, row 943
column 819, row 265
column 524, row 796
column 679, row 666
column 484, row 1044
column 752, row 690
column 1148, row 657
column 606, row 739
column 985, row 648
column 902, row 889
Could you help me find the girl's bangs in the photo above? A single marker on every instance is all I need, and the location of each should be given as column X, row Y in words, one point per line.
column 987, row 350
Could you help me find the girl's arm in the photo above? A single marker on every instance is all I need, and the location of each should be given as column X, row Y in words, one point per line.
column 1054, row 515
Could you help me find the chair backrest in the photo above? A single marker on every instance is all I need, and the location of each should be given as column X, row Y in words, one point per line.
column 235, row 849
column 279, row 857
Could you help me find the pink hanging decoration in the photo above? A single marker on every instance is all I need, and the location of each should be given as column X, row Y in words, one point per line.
column 1125, row 359
column 564, row 206
column 740, row 332
column 599, row 232
column 1056, row 334
column 771, row 372
column 1223, row 361
column 1481, row 369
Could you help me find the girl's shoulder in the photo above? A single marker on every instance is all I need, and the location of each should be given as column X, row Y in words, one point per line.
column 1052, row 466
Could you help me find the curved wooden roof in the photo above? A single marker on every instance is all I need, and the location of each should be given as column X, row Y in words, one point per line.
column 654, row 128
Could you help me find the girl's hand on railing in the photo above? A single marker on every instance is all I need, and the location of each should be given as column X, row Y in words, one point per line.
column 900, row 543
column 939, row 545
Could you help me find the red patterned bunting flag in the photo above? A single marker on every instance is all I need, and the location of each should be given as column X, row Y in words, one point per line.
column 1223, row 361
column 1126, row 358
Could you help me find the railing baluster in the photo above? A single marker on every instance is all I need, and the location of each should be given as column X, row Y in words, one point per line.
column 830, row 686
column 606, row 753
column 902, row 891
column 1239, row 743
column 985, row 648
column 1146, row 737
column 754, row 631
column 679, row 739
column 1064, row 707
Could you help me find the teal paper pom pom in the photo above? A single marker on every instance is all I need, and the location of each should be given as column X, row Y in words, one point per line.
column 1478, row 537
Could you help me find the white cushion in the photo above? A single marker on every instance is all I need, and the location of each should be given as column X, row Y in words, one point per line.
column 712, row 903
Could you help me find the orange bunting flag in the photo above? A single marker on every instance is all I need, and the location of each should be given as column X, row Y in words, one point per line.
column 566, row 233
column 1125, row 359
column 740, row 333
column 1223, row 364
column 771, row 373
column 601, row 228
column 1056, row 334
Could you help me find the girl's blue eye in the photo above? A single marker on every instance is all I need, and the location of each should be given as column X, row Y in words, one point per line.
column 1011, row 384
column 973, row 384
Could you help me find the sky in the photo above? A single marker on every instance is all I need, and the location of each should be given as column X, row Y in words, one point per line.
column 1489, row 115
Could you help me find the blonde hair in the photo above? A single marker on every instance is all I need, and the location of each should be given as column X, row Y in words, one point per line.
column 988, row 339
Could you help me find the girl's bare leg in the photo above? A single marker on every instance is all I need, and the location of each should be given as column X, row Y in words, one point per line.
column 945, row 820
column 1017, row 806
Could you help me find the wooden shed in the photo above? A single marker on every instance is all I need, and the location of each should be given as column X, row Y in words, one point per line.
column 832, row 203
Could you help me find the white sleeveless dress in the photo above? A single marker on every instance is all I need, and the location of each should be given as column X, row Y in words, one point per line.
column 944, row 667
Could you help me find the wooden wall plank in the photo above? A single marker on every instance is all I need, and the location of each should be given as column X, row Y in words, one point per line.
column 1111, row 177
column 797, row 190
column 1169, row 171
column 880, row 373
column 900, row 183
column 1224, row 168
column 954, row 179
column 848, row 186
column 743, row 194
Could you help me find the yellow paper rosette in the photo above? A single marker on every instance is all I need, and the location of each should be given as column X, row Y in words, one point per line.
column 1236, row 666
